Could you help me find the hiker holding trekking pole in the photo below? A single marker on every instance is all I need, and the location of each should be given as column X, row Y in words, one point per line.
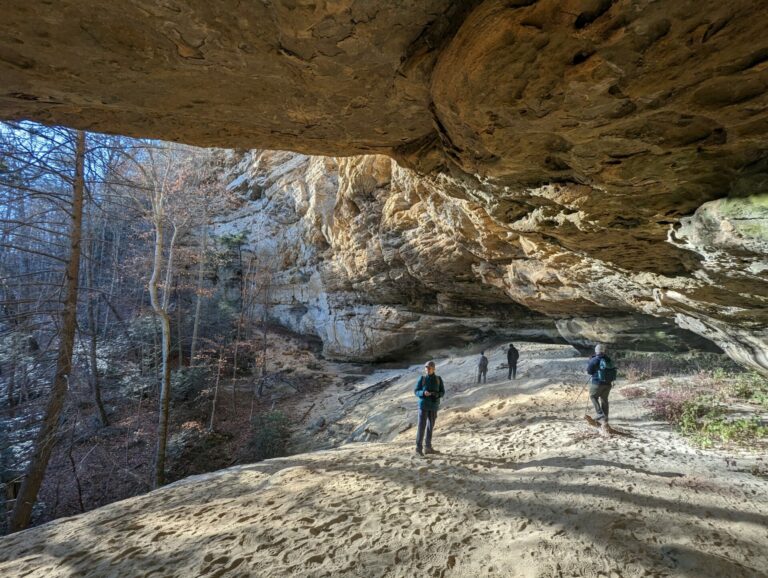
column 603, row 372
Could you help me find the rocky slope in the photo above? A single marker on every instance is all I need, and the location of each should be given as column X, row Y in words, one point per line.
column 523, row 488
column 577, row 159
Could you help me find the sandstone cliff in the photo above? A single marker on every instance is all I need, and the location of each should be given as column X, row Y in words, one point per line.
column 376, row 259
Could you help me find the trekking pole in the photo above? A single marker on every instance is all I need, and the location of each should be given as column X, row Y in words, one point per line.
column 582, row 391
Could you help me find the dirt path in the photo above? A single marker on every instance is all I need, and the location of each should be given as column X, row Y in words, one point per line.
column 523, row 488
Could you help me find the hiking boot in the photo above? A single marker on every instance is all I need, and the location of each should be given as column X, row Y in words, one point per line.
column 592, row 421
column 431, row 451
column 419, row 452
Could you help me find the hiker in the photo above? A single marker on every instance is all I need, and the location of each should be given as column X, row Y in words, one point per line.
column 482, row 368
column 429, row 389
column 603, row 372
column 512, row 356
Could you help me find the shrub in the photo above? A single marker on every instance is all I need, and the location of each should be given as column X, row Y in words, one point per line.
column 704, row 419
column 633, row 392
column 187, row 382
column 633, row 373
column 270, row 433
column 669, row 404
column 698, row 413
column 193, row 450
column 750, row 386
column 635, row 365
column 719, row 429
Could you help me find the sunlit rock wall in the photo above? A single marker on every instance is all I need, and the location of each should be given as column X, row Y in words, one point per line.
column 377, row 260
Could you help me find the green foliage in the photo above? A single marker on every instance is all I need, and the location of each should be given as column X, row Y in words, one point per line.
column 233, row 241
column 143, row 328
column 226, row 313
column 187, row 382
column 270, row 433
column 698, row 413
column 704, row 418
column 747, row 215
column 193, row 450
column 713, row 429
column 750, row 386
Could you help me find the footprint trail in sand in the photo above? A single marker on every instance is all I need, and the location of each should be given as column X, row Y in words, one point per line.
column 523, row 488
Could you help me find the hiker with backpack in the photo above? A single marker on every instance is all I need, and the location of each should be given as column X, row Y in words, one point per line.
column 429, row 389
column 603, row 372
column 512, row 356
column 482, row 368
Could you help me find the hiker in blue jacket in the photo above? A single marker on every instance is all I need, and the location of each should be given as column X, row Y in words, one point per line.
column 429, row 389
column 603, row 373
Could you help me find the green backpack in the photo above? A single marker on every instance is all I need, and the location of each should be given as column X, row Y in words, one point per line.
column 606, row 371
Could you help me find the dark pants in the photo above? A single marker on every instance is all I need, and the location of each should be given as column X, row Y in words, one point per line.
column 427, row 419
column 512, row 370
column 599, row 396
column 482, row 374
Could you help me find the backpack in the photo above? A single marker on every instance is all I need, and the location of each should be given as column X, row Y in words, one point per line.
column 512, row 354
column 422, row 385
column 606, row 371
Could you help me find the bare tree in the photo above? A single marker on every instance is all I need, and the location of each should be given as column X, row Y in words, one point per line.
column 33, row 478
column 91, row 305
column 169, row 177
column 158, row 202
column 199, row 285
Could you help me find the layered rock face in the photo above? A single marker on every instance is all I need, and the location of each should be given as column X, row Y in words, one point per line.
column 567, row 158
column 378, row 261
column 357, row 252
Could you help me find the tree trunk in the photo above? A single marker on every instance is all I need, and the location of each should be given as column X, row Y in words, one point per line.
column 93, row 330
column 165, row 382
column 234, row 363
column 264, row 319
column 46, row 438
column 199, row 301
column 179, row 329
column 165, row 400
column 111, row 292
column 216, row 390
column 12, row 381
column 72, row 464
column 95, row 383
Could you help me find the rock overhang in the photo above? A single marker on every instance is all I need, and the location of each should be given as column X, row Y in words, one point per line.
column 582, row 138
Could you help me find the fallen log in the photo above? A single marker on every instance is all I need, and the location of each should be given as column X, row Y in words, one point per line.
column 369, row 391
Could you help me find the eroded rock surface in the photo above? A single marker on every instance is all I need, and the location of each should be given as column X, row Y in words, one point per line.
column 348, row 251
column 643, row 99
column 377, row 260
column 339, row 77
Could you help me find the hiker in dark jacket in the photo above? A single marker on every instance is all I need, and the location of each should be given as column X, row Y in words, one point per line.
column 482, row 368
column 512, row 356
column 603, row 372
column 429, row 389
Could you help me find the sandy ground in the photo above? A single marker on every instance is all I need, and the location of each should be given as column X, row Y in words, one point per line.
column 523, row 488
